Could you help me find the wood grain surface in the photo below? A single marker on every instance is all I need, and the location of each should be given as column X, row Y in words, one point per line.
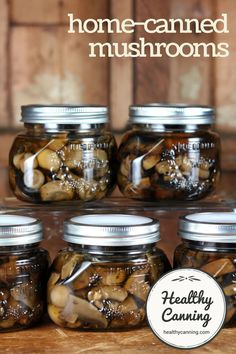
column 49, row 339
column 54, row 12
column 121, row 69
column 225, row 73
column 4, row 58
column 191, row 79
column 152, row 75
column 56, row 70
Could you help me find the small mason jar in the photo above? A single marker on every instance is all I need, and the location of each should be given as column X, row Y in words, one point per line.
column 23, row 272
column 170, row 152
column 209, row 244
column 65, row 153
column 102, row 279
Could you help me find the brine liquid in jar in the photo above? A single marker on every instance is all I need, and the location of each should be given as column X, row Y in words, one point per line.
column 65, row 153
column 102, row 279
column 209, row 244
column 169, row 153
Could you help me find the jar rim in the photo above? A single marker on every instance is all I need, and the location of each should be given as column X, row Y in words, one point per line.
column 216, row 227
column 64, row 114
column 111, row 230
column 172, row 114
column 19, row 230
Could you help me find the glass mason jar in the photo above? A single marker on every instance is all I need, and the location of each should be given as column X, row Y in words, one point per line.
column 23, row 272
column 170, row 152
column 102, row 279
column 65, row 153
column 209, row 244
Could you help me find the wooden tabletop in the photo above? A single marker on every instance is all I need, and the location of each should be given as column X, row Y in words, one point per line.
column 50, row 339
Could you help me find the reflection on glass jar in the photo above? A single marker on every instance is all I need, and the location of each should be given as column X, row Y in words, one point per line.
column 169, row 153
column 65, row 153
column 209, row 244
column 23, row 272
column 101, row 281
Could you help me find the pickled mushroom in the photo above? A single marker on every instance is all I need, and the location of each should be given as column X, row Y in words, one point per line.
column 116, row 293
column 231, row 310
column 128, row 305
column 55, row 315
column 131, row 319
column 24, row 293
column 186, row 165
column 57, row 144
column 230, row 290
column 125, row 167
column 84, row 311
column 204, row 174
column 219, row 267
column 150, row 161
column 56, row 191
column 28, row 162
column 137, row 285
column 72, row 158
column 114, row 276
column 49, row 160
column 54, row 277
column 68, row 267
column 7, row 323
column 163, row 167
column 85, row 279
column 59, row 295
column 100, row 155
column 34, row 179
column 17, row 160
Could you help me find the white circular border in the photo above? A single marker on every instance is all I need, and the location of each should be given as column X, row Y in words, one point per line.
column 151, row 310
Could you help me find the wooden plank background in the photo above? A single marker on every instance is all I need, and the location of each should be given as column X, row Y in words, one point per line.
column 41, row 63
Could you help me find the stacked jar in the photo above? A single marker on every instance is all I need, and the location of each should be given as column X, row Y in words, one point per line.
column 169, row 153
column 209, row 244
column 65, row 153
column 23, row 272
column 102, row 279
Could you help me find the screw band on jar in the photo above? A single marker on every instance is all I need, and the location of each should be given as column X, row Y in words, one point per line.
column 167, row 114
column 113, row 230
column 105, row 290
column 170, row 152
column 19, row 230
column 64, row 114
column 209, row 244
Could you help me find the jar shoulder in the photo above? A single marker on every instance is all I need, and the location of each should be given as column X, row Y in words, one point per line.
column 149, row 133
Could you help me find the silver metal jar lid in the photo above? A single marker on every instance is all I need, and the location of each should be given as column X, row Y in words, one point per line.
column 209, row 227
column 19, row 230
column 64, row 114
column 166, row 114
column 111, row 230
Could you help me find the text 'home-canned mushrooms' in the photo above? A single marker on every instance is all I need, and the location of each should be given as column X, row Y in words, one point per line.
column 65, row 153
column 209, row 244
column 23, row 272
column 102, row 279
column 170, row 152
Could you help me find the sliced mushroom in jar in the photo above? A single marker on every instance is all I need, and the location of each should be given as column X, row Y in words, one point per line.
column 28, row 162
column 219, row 267
column 84, row 311
column 107, row 292
column 137, row 284
column 49, row 160
column 33, row 179
column 56, row 191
